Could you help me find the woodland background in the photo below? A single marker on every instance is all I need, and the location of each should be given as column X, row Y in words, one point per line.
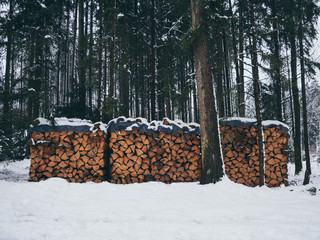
column 95, row 59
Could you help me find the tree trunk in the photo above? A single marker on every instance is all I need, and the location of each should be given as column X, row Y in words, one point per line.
column 276, row 62
column 194, row 90
column 219, row 75
column 100, row 48
column 242, row 107
column 112, row 62
column 7, row 123
column 73, row 72
column 81, row 63
column 296, row 102
column 255, row 69
column 304, row 106
column 124, row 79
column 227, row 75
column 235, row 57
column 210, row 144
column 66, row 98
column 90, row 72
column 153, row 62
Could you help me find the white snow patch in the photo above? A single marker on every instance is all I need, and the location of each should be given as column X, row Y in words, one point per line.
column 65, row 122
column 154, row 125
column 266, row 123
column 55, row 209
column 120, row 15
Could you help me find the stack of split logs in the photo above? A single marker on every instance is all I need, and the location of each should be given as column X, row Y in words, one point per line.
column 140, row 156
column 74, row 156
column 164, row 151
column 240, row 152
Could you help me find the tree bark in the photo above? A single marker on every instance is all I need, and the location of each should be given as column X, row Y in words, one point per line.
column 304, row 105
column 235, row 57
column 7, row 123
column 296, row 102
column 242, row 107
column 153, row 62
column 73, row 78
column 90, row 72
column 112, row 62
column 100, row 48
column 81, row 63
column 255, row 69
column 211, row 168
column 276, row 61
column 219, row 74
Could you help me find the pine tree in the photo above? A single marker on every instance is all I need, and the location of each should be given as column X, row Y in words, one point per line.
column 210, row 145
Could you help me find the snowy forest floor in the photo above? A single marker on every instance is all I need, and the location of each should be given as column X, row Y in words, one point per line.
column 56, row 209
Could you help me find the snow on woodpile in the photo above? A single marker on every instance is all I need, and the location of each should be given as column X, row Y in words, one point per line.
column 142, row 124
column 65, row 124
column 247, row 122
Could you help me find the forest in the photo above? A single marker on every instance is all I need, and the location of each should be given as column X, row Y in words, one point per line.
column 97, row 60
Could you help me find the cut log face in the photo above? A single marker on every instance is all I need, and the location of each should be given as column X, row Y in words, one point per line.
column 240, row 152
column 75, row 156
column 154, row 157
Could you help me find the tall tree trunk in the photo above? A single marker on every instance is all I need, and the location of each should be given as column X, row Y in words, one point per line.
column 227, row 75
column 153, row 62
column 112, row 62
column 304, row 104
column 194, row 90
column 242, row 107
column 255, row 69
column 90, row 72
column 124, row 78
column 296, row 102
column 219, row 74
column 210, row 145
column 58, row 78
column 73, row 72
column 81, row 63
column 67, row 59
column 235, row 56
column 7, row 123
column 276, row 61
column 100, row 48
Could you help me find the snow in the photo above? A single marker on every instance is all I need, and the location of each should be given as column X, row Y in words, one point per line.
column 55, row 209
column 70, row 122
column 42, row 5
column 249, row 121
column 65, row 122
column 120, row 15
column 143, row 125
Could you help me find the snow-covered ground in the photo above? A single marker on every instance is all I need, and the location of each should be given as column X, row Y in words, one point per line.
column 56, row 209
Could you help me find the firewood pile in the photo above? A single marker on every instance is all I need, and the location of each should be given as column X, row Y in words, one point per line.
column 72, row 155
column 276, row 169
column 152, row 155
column 136, row 151
column 240, row 151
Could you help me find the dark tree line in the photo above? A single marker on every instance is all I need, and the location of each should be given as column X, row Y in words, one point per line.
column 99, row 59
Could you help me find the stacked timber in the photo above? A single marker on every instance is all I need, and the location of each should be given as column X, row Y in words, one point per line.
column 148, row 154
column 240, row 152
column 276, row 169
column 72, row 155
